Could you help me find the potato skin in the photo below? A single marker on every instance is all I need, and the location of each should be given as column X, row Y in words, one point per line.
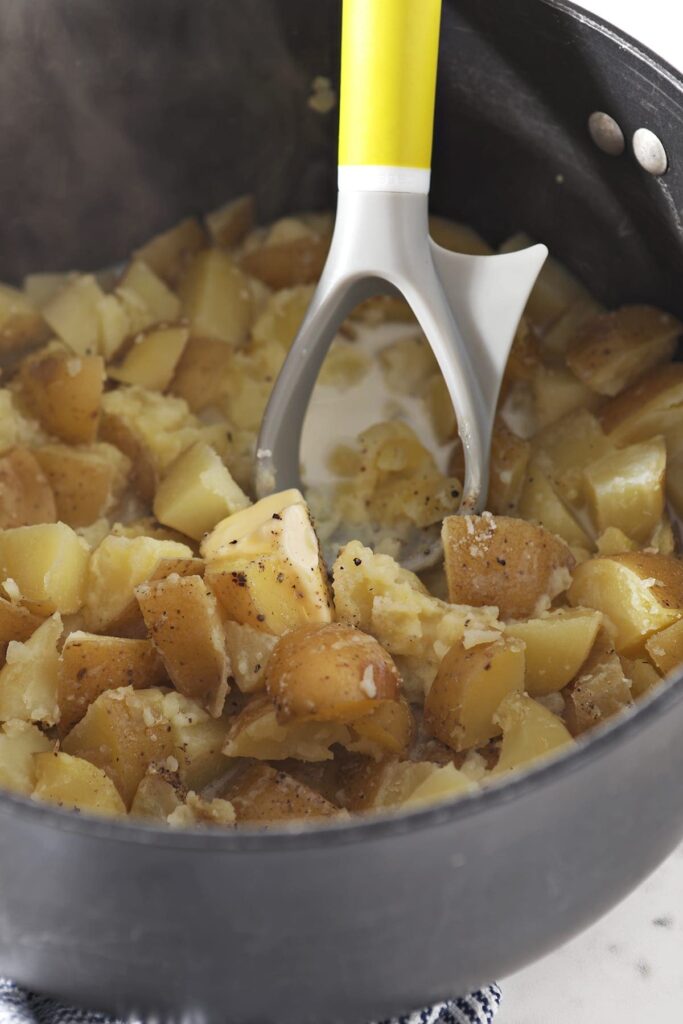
column 331, row 672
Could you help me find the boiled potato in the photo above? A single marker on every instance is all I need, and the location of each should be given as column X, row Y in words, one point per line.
column 256, row 732
column 91, row 664
column 393, row 784
column 86, row 481
column 181, row 616
column 329, row 672
column 29, row 678
column 651, row 406
column 159, row 794
column 387, row 730
column 288, row 257
column 407, row 364
column 641, row 675
column 73, row 314
column 198, row 812
column 556, row 340
column 509, row 460
column 540, row 502
column 65, row 392
column 555, row 291
column 614, row 349
column 16, row 623
column 265, row 567
column 248, row 651
column 614, row 541
column 344, row 366
column 665, row 648
column 19, row 741
column 151, row 360
column 556, row 646
column 558, row 392
column 74, row 783
column 141, row 282
column 599, row 691
column 169, row 253
column 26, row 496
column 229, row 223
column 281, row 317
column 638, row 592
column 261, row 795
column 48, row 563
column 625, row 489
column 216, row 298
column 469, row 686
column 563, row 450
column 118, row 320
column 117, row 566
column 197, row 492
column 21, row 323
column 530, row 732
column 496, row 560
column 674, row 484
column 202, row 374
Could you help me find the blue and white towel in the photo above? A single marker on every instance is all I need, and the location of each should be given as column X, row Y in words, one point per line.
column 17, row 1006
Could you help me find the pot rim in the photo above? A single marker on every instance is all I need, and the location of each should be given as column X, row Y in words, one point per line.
column 591, row 747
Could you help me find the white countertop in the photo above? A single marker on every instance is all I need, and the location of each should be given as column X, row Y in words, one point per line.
column 627, row 968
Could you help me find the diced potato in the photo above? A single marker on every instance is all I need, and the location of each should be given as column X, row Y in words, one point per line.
column 375, row 594
column 387, row 730
column 159, row 794
column 261, row 795
column 48, row 563
column 140, row 281
column 65, row 392
column 152, row 359
column 26, row 497
column 329, row 672
column 641, row 675
column 282, row 316
column 344, row 366
column 665, row 648
column 563, row 450
column 469, row 686
column 182, row 618
column 558, row 392
column 248, row 651
column 497, row 560
column 197, row 492
column 651, row 406
column 600, row 691
column 509, row 460
column 556, row 646
column 16, row 623
column 456, row 237
column 540, row 503
column 265, row 567
column 91, row 664
column 118, row 565
column 674, row 484
column 256, row 732
column 118, row 319
column 19, row 741
column 407, row 364
column 229, row 223
column 38, row 288
column 73, row 314
column 557, row 339
column 614, row 541
column 440, row 408
column 197, row 812
column 201, row 375
column 638, row 592
column 524, row 360
column 216, row 298
column 283, row 262
column 613, row 350
column 28, row 680
column 625, row 489
column 87, row 481
column 393, row 784
column 169, row 253
column 74, row 783
column 555, row 290
column 663, row 539
column 21, row 324
column 530, row 732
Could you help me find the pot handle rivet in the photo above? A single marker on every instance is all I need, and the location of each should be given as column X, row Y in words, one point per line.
column 649, row 151
column 606, row 133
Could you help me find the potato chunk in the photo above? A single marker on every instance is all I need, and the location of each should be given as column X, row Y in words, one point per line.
column 216, row 298
column 329, row 672
column 140, row 282
column 21, row 324
column 203, row 373
column 48, row 563
column 261, row 795
column 638, row 592
column 530, row 732
column 19, row 741
column 509, row 460
column 265, row 567
column 256, row 732
column 599, row 691
column 73, row 314
column 65, row 392
column 182, row 618
column 555, row 290
column 26, row 497
column 612, row 350
column 197, row 492
column 641, row 675
column 625, row 489
column 229, row 223
column 16, row 623
column 540, row 502
column 159, row 794
column 77, row 784
column 556, row 646
column 28, row 680
column 286, row 261
column 564, row 450
column 651, row 406
column 665, row 648
column 469, row 686
column 279, row 321
column 153, row 357
column 116, row 568
column 518, row 566
column 86, row 481
column 169, row 253
column 91, row 664
column 393, row 784
column 248, row 651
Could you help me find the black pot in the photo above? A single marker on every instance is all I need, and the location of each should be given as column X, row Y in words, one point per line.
column 115, row 119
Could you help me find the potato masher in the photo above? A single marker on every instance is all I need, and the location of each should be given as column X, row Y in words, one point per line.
column 467, row 306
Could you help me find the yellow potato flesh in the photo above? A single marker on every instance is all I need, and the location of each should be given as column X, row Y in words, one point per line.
column 29, row 678
column 539, row 502
column 86, row 481
column 197, row 492
column 555, row 647
column 152, row 359
column 19, row 741
column 74, row 783
column 530, row 732
column 665, row 648
column 48, row 563
column 625, row 489
column 215, row 297
column 140, row 280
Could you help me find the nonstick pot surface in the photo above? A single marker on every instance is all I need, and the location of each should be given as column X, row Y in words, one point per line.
column 116, row 120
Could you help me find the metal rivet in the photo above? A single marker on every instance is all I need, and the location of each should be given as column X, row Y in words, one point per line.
column 649, row 151
column 606, row 133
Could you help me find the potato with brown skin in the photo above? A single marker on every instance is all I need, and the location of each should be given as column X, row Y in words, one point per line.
column 26, row 496
column 169, row 253
column 649, row 407
column 261, row 795
column 599, row 691
column 91, row 664
column 202, row 374
column 461, row 704
column 182, row 618
column 329, row 672
column 288, row 263
column 151, row 360
column 229, row 223
column 16, row 623
column 64, row 391
column 75, row 783
column 216, row 298
column 496, row 560
column 86, row 480
column 248, row 651
column 369, row 785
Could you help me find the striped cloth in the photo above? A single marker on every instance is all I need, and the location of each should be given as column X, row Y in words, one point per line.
column 17, row 1006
